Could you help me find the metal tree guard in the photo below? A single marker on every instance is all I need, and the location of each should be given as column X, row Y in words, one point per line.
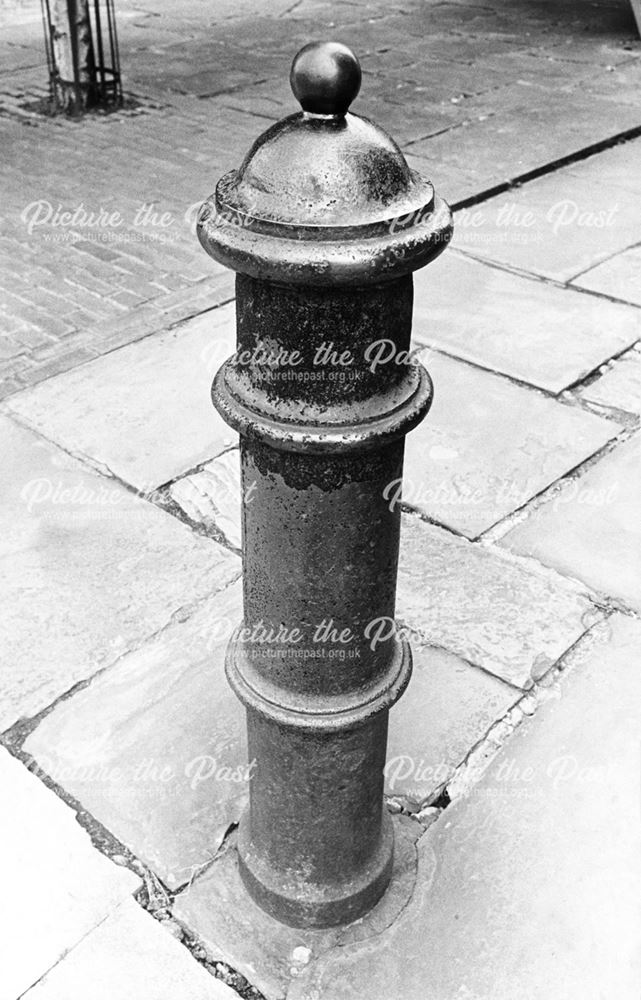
column 84, row 73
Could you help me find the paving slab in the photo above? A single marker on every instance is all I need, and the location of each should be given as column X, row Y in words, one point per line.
column 129, row 957
column 618, row 277
column 558, row 225
column 92, row 571
column 211, row 496
column 448, row 708
column 534, row 69
column 202, row 66
column 575, row 43
column 525, row 886
column 591, row 530
column 530, row 330
column 154, row 748
column 619, row 83
column 487, row 446
column 520, row 133
column 56, row 887
column 144, row 411
column 616, row 167
column 619, row 387
column 440, row 79
column 512, row 619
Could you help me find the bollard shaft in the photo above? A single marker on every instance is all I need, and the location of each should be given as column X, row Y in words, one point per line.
column 320, row 550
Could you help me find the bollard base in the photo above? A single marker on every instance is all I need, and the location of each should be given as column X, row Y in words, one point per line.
column 272, row 955
column 299, row 903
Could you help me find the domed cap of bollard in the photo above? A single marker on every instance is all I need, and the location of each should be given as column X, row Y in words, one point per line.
column 324, row 196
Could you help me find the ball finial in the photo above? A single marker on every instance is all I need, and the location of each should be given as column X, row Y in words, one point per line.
column 325, row 78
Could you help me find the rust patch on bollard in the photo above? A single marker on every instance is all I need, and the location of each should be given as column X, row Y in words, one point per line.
column 324, row 223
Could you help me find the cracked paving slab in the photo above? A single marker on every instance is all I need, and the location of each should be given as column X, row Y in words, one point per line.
column 56, row 887
column 512, row 618
column 271, row 955
column 211, row 496
column 92, row 571
column 619, row 386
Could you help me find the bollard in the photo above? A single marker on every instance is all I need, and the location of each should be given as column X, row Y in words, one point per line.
column 324, row 223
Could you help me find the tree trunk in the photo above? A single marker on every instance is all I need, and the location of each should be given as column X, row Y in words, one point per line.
column 75, row 88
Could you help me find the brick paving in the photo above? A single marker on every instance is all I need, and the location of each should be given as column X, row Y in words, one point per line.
column 113, row 321
column 456, row 92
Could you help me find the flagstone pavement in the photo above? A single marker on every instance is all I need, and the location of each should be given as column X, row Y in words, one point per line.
column 514, row 761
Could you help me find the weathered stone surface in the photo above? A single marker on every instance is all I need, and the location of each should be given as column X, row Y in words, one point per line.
column 488, row 446
column 211, row 496
column 56, row 887
column 511, row 619
column 620, row 84
column 154, row 748
column 129, row 957
column 447, row 708
column 558, row 225
column 92, row 570
column 532, row 69
column 592, row 530
column 201, row 67
column 578, row 43
column 524, row 887
column 531, row 330
column 617, row 277
column 619, row 386
column 143, row 412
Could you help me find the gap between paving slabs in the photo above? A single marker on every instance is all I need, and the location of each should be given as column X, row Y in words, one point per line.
column 153, row 895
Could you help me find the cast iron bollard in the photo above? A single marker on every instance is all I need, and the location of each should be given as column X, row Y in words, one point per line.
column 324, row 223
